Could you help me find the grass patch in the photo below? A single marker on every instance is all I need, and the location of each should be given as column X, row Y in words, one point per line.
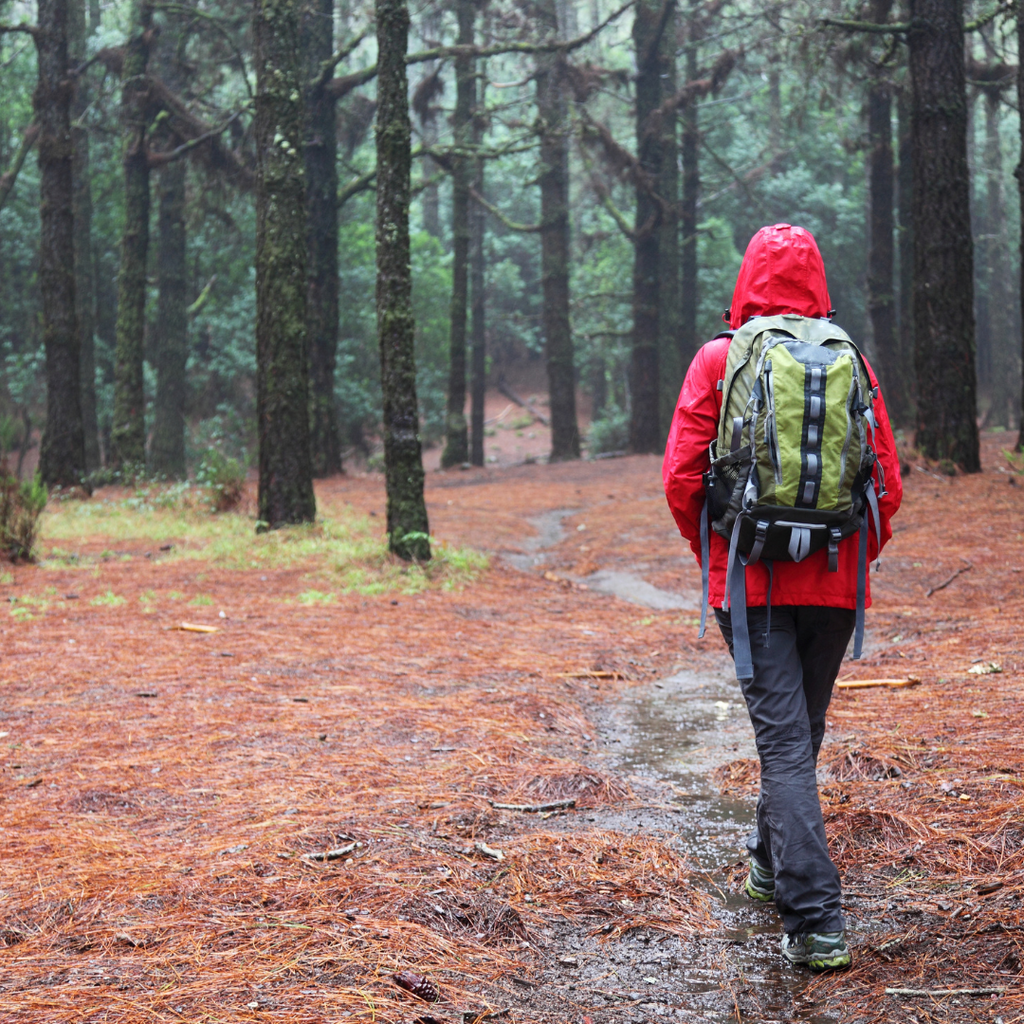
column 203, row 599
column 349, row 552
column 109, row 599
column 315, row 597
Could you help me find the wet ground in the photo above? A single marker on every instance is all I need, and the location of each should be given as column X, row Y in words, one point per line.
column 667, row 737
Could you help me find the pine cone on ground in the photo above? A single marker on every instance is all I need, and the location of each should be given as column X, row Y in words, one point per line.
column 418, row 985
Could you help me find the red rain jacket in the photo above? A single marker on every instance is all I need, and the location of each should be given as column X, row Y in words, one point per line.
column 782, row 272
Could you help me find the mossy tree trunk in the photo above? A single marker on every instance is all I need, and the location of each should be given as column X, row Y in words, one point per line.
column 994, row 257
column 648, row 30
column 167, row 447
column 477, row 282
column 85, row 285
column 62, row 452
column 1020, row 192
column 881, row 248
column 690, row 154
column 128, row 431
column 456, row 449
column 947, row 427
column 408, row 528
column 905, row 243
column 321, row 152
column 553, row 117
column 282, row 363
column 670, row 370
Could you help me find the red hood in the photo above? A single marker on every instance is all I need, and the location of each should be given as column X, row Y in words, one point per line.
column 782, row 272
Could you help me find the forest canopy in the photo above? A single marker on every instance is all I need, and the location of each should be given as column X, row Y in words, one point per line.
column 584, row 179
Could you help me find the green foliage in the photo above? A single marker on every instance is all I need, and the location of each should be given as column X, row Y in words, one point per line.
column 225, row 478
column 610, row 433
column 21, row 505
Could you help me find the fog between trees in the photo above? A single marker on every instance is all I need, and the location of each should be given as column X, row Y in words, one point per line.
column 210, row 252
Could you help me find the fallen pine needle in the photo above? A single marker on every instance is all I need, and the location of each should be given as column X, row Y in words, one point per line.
column 945, row 991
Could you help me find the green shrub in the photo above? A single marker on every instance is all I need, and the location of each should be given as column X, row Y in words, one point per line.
column 21, row 505
column 609, row 434
column 225, row 478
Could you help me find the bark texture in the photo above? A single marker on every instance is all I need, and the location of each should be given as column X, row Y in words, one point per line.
column 62, row 452
column 456, row 449
column 905, row 237
column 689, row 342
column 478, row 326
column 670, row 369
column 167, row 447
column 282, row 365
column 881, row 243
column 408, row 529
column 648, row 33
column 1020, row 192
column 85, row 285
column 128, row 431
column 553, row 116
column 321, row 152
column 943, row 247
column 997, row 357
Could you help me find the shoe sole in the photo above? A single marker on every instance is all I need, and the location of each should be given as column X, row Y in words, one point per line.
column 761, row 895
column 835, row 962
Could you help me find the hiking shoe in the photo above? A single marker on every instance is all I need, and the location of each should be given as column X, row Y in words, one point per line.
column 821, row 951
column 760, row 884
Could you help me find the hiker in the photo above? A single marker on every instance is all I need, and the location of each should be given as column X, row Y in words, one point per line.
column 799, row 569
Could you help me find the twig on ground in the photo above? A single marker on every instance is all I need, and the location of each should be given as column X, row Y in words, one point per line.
column 946, row 991
column 554, row 805
column 946, row 583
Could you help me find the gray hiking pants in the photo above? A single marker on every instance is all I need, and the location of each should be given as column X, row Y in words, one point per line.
column 787, row 700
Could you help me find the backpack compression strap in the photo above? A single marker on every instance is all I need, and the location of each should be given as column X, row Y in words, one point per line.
column 705, row 567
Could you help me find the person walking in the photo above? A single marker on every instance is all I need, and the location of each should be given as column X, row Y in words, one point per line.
column 801, row 608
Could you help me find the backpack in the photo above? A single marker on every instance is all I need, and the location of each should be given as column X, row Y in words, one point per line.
column 791, row 466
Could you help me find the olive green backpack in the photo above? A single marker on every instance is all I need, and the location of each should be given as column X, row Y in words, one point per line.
column 791, row 466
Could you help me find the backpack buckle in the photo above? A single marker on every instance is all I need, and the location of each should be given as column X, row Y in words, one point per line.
column 834, row 537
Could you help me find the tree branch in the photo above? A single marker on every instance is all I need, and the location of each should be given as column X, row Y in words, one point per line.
column 865, row 26
column 10, row 176
column 510, row 224
column 355, row 186
column 161, row 159
column 339, row 87
column 25, row 28
column 196, row 308
column 328, row 66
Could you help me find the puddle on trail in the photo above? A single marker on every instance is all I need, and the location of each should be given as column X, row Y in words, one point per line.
column 675, row 733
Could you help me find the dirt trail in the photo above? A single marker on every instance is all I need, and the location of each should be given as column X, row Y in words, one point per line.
column 161, row 788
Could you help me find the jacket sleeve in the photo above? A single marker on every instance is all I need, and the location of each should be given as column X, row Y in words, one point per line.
column 891, row 494
column 694, row 427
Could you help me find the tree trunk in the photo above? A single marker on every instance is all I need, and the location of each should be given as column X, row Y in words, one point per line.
column 321, row 151
column 648, row 30
column 167, row 443
column 456, row 449
column 85, row 287
column 943, row 248
column 670, row 369
column 167, row 447
column 905, row 188
column 478, row 333
column 62, row 452
column 408, row 529
column 1020, row 191
column 881, row 250
column 282, row 364
column 128, row 432
column 1002, row 355
column 688, row 340
column 553, row 115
